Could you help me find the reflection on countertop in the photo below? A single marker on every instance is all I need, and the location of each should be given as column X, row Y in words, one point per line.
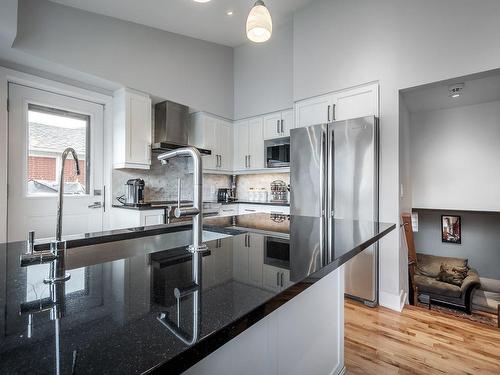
column 122, row 294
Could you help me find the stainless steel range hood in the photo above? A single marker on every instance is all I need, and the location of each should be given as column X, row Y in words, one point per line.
column 171, row 127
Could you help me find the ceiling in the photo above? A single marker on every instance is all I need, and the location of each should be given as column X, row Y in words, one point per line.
column 480, row 88
column 206, row 21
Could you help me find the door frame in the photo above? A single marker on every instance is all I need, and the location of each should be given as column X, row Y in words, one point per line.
column 11, row 76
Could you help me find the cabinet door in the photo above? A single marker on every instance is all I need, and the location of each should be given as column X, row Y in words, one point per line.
column 271, row 277
column 138, row 122
column 153, row 217
column 288, row 122
column 210, row 133
column 272, row 126
column 240, row 259
column 256, row 259
column 255, row 144
column 228, row 210
column 313, row 111
column 225, row 145
column 240, row 145
column 357, row 102
column 285, row 279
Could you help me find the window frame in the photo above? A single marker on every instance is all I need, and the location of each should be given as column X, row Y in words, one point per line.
column 89, row 177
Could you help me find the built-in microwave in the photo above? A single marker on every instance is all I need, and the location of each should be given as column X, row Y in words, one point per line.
column 277, row 154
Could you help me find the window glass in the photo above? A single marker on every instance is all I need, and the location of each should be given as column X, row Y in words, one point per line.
column 50, row 132
column 36, row 289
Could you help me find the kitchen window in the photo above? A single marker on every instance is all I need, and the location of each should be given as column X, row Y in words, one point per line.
column 50, row 131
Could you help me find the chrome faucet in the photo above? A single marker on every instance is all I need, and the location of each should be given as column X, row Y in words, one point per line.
column 56, row 254
column 56, row 305
column 193, row 289
column 196, row 210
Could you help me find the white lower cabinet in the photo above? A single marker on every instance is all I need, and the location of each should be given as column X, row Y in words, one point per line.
column 245, row 208
column 228, row 210
column 275, row 278
column 281, row 342
column 248, row 258
column 125, row 218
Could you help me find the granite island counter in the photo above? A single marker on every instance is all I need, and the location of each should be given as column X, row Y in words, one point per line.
column 269, row 300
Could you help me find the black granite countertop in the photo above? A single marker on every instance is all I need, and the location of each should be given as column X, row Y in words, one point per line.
column 118, row 290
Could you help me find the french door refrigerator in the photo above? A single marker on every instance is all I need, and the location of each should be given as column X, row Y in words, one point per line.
column 334, row 176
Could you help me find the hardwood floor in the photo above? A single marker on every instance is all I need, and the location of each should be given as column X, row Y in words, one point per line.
column 417, row 341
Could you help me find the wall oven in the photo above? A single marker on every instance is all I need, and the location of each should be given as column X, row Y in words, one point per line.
column 277, row 252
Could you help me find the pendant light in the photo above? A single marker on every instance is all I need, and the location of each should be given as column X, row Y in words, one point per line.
column 259, row 23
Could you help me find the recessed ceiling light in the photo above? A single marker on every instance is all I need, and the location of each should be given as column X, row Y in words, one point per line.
column 455, row 90
column 201, row 1
column 229, row 13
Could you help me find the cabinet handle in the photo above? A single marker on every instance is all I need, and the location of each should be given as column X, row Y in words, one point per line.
column 333, row 112
column 249, row 163
column 249, row 210
column 220, row 161
column 246, row 163
column 216, row 161
column 277, row 278
column 277, row 126
column 281, row 277
column 328, row 112
column 282, row 126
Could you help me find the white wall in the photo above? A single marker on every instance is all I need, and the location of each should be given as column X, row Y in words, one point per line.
column 8, row 22
column 171, row 66
column 400, row 43
column 405, row 185
column 263, row 75
column 455, row 158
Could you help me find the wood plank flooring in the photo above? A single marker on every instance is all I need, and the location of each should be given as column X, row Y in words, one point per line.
column 417, row 341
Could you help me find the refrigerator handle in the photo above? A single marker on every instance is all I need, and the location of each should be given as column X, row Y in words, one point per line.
column 324, row 169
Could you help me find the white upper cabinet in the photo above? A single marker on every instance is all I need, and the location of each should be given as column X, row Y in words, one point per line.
column 255, row 144
column 278, row 124
column 249, row 144
column 346, row 104
column 241, row 145
column 215, row 134
column 288, row 122
column 131, row 130
column 314, row 111
column 358, row 102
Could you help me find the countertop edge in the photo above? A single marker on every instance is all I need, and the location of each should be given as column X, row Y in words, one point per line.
column 217, row 339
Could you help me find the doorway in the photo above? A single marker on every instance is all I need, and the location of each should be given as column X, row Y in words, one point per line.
column 41, row 125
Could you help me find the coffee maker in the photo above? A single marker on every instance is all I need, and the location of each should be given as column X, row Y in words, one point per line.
column 223, row 195
column 135, row 192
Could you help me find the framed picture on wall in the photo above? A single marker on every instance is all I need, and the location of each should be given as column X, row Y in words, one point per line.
column 451, row 229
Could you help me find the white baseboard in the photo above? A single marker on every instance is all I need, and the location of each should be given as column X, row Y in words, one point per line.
column 392, row 301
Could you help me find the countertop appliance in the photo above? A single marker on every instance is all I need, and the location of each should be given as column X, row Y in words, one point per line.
column 134, row 194
column 224, row 195
column 334, row 174
column 279, row 191
column 277, row 154
column 171, row 127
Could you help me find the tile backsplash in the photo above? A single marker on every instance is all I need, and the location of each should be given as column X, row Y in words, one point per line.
column 161, row 181
column 245, row 182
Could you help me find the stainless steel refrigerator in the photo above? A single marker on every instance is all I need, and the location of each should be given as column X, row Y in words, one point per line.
column 334, row 175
